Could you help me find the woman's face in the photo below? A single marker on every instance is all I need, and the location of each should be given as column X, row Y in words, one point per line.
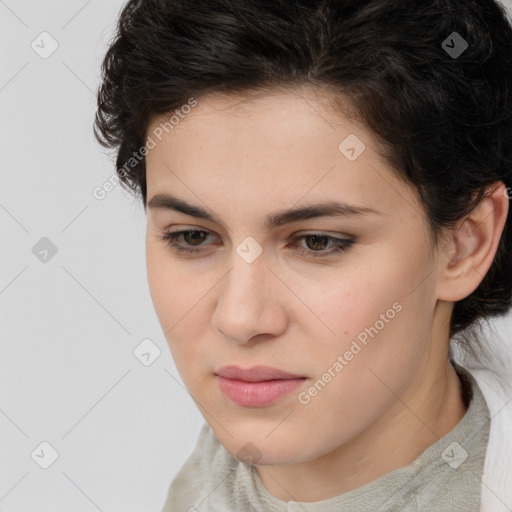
column 356, row 321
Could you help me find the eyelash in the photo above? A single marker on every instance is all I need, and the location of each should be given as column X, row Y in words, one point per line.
column 343, row 244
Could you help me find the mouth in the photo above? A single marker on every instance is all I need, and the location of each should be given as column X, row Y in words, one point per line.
column 258, row 386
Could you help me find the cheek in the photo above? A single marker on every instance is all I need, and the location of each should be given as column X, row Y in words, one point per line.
column 372, row 305
column 172, row 292
column 349, row 304
column 163, row 285
column 380, row 333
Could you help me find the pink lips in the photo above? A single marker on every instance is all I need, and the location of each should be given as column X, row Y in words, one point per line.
column 257, row 386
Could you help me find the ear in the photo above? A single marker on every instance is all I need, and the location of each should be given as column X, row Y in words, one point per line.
column 472, row 246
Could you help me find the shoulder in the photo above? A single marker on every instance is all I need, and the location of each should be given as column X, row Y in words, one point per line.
column 496, row 388
column 208, row 464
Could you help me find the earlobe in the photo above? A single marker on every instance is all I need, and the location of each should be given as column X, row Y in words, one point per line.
column 472, row 246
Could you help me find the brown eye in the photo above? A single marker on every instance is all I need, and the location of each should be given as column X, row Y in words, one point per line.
column 192, row 240
column 318, row 242
column 194, row 237
column 317, row 245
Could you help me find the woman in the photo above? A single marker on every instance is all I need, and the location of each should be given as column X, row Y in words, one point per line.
column 326, row 189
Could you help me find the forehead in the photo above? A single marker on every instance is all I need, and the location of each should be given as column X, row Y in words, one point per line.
column 283, row 125
column 278, row 145
column 276, row 106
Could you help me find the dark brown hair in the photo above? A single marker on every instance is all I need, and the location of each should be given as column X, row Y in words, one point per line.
column 445, row 119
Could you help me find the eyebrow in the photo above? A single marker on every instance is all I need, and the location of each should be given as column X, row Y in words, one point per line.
column 327, row 209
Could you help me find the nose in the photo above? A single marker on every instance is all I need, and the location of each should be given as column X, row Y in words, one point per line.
column 250, row 304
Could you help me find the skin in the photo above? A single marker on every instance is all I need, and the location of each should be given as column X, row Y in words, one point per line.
column 244, row 157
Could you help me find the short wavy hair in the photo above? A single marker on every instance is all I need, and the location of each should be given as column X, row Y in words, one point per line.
column 444, row 119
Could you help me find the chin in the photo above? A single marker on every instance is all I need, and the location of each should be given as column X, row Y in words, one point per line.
column 257, row 450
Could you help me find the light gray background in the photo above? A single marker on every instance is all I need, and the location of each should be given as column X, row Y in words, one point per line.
column 69, row 326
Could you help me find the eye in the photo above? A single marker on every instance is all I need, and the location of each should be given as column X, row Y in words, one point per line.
column 194, row 236
column 315, row 243
column 318, row 241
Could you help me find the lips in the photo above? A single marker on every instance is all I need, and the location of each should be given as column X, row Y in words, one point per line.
column 258, row 386
column 255, row 374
